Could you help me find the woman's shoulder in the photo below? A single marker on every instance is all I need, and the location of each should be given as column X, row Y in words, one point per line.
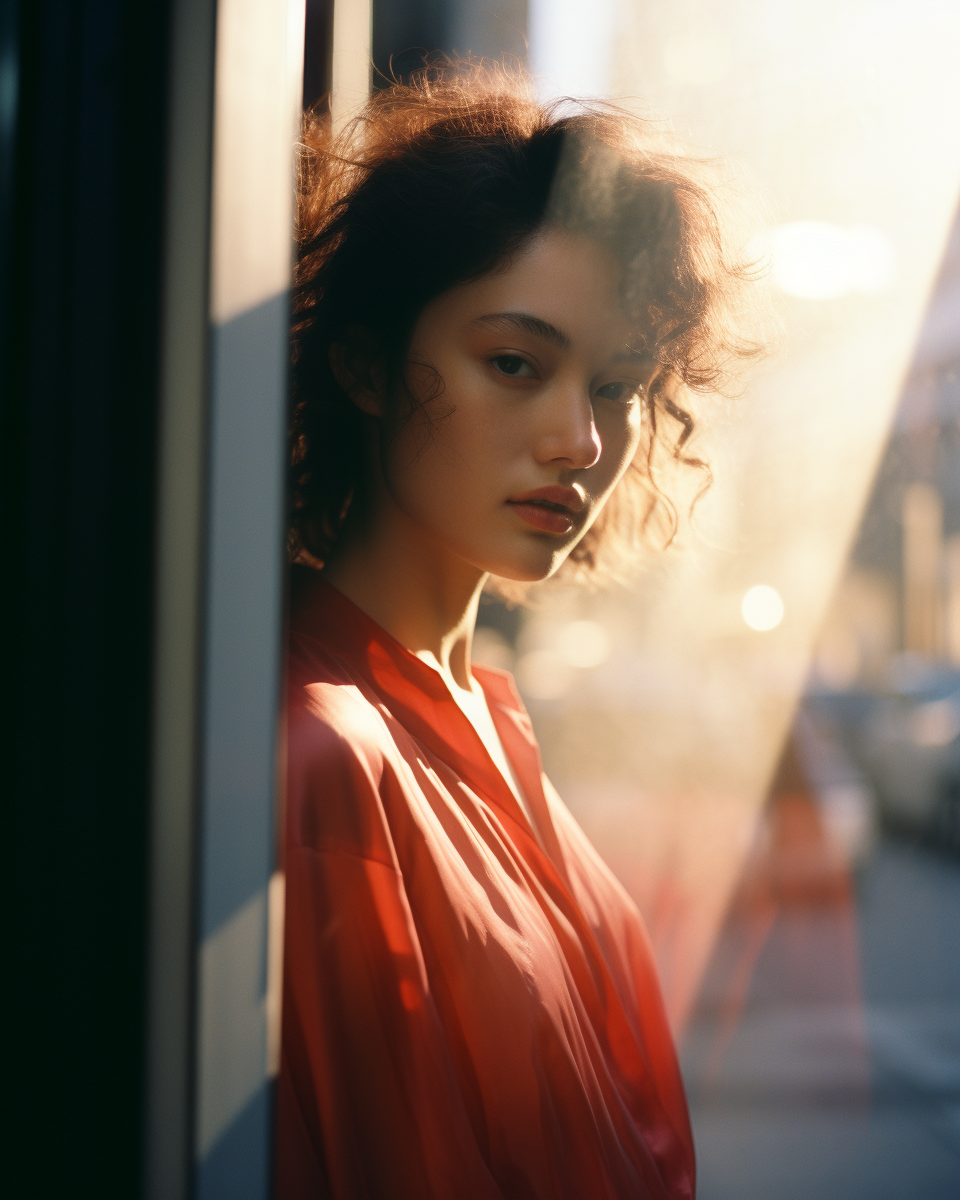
column 329, row 710
column 338, row 751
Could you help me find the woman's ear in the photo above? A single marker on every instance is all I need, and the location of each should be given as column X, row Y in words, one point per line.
column 358, row 369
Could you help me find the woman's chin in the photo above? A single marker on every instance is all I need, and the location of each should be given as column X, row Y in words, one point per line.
column 527, row 571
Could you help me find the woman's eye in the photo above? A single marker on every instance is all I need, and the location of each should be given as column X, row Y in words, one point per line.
column 618, row 391
column 514, row 366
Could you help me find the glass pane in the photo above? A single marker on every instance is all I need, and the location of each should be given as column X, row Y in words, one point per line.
column 760, row 734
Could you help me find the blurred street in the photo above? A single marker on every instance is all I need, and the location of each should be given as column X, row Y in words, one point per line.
column 847, row 1085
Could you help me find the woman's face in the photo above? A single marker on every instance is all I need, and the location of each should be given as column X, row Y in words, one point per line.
column 538, row 416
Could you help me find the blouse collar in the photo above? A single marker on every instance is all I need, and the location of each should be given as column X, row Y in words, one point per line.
column 417, row 696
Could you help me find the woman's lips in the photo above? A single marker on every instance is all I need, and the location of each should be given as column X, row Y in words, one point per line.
column 552, row 509
column 551, row 520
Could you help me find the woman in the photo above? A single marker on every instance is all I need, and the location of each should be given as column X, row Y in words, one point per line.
column 497, row 308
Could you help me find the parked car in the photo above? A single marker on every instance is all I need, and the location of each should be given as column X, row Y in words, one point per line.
column 908, row 743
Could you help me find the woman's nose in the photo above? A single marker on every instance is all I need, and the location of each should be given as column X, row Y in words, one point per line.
column 569, row 433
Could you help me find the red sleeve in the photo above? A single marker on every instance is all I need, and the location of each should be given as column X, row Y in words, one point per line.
column 367, row 1099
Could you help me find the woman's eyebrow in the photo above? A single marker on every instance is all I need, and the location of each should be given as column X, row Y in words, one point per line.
column 526, row 323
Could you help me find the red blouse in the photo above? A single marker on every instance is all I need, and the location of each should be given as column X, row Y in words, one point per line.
column 467, row 1014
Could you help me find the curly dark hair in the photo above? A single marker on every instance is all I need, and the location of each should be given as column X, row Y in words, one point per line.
column 439, row 181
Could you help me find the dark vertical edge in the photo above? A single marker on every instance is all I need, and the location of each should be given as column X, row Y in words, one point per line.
column 9, row 107
column 83, row 119
column 317, row 54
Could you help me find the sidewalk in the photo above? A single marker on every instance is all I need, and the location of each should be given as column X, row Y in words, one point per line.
column 823, row 1060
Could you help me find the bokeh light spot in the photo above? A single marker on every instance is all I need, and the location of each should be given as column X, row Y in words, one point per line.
column 817, row 260
column 762, row 608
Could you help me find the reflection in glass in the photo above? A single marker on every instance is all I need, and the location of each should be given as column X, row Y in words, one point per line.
column 768, row 751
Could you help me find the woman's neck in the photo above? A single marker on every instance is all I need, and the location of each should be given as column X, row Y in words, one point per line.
column 421, row 595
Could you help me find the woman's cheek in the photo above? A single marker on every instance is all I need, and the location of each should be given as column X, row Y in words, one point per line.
column 620, row 440
column 431, row 475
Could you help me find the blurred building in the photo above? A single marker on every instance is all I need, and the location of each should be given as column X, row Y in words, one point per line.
column 900, row 593
column 409, row 33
